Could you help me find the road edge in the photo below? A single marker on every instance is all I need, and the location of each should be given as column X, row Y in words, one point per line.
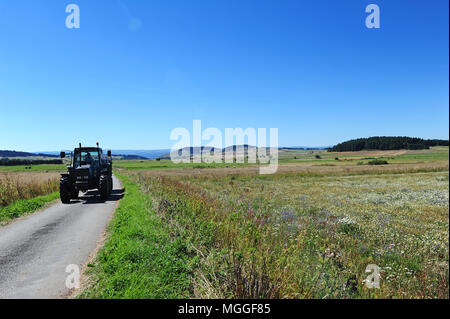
column 85, row 278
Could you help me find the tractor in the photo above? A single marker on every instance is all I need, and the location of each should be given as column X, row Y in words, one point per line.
column 89, row 169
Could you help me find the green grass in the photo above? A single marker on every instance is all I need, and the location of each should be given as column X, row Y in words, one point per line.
column 141, row 258
column 34, row 168
column 23, row 207
column 438, row 155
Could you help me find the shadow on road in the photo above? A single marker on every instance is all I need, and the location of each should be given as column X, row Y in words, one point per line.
column 93, row 197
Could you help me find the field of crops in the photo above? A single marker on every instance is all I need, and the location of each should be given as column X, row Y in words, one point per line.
column 25, row 192
column 17, row 186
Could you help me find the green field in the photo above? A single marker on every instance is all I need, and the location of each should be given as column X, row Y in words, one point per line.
column 34, row 168
column 440, row 153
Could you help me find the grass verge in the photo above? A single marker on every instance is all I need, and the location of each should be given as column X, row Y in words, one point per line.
column 141, row 257
column 26, row 206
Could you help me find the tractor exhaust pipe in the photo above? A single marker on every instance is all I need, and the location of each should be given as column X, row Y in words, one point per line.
column 80, row 154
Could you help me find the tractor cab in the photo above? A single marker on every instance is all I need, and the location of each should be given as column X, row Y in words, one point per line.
column 86, row 156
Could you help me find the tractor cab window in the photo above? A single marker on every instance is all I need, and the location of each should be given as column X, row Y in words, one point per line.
column 86, row 158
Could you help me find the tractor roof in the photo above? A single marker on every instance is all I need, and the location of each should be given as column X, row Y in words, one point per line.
column 87, row 149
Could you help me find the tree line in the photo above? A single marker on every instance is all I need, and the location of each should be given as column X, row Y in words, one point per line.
column 387, row 143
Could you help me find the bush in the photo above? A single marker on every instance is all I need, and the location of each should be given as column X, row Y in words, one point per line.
column 318, row 156
column 377, row 162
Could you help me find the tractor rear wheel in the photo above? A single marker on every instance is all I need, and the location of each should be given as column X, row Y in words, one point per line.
column 110, row 185
column 65, row 190
column 103, row 187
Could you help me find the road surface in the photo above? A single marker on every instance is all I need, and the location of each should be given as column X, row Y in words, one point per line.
column 35, row 250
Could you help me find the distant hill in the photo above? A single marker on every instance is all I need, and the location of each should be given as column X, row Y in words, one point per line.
column 143, row 154
column 197, row 150
column 127, row 157
column 307, row 148
column 387, row 143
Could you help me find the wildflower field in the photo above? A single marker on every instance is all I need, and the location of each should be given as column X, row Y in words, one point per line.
column 288, row 235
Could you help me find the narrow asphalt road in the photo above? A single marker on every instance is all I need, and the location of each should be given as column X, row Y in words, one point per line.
column 35, row 251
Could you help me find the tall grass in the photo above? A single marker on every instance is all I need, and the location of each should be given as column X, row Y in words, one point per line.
column 13, row 188
column 241, row 257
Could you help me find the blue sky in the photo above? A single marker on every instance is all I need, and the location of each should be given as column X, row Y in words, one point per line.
column 135, row 70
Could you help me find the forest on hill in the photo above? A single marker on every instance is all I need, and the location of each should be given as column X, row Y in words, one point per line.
column 387, row 143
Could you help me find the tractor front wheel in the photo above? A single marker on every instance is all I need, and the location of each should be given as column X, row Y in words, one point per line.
column 65, row 190
column 103, row 187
